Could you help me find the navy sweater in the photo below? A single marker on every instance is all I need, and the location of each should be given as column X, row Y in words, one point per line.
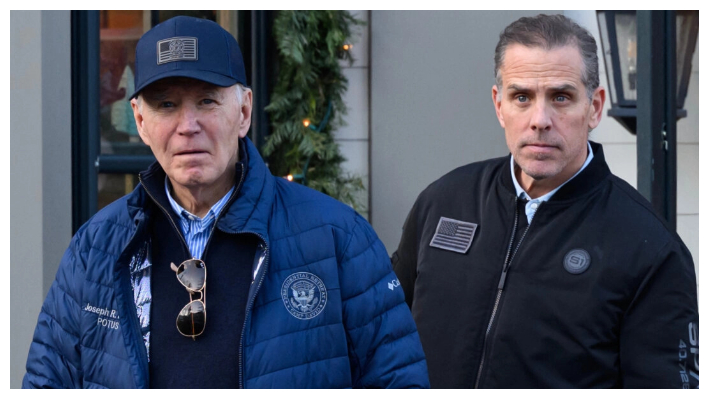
column 211, row 360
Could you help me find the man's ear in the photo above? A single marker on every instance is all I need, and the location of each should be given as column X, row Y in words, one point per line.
column 596, row 109
column 245, row 110
column 138, row 116
column 497, row 101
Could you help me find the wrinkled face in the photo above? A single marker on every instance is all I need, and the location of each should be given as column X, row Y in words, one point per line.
column 193, row 128
column 545, row 110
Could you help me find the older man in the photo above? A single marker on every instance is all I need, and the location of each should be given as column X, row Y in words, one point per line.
column 298, row 283
column 542, row 268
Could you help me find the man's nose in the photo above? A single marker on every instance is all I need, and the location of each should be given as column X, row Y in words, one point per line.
column 541, row 117
column 188, row 122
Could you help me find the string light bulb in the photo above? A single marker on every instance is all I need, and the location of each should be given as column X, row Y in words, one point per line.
column 306, row 122
column 347, row 47
column 289, row 177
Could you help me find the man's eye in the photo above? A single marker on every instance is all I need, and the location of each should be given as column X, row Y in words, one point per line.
column 166, row 104
column 208, row 101
column 522, row 98
column 560, row 98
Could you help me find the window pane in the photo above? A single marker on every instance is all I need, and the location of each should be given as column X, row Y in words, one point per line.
column 164, row 15
column 113, row 186
column 120, row 31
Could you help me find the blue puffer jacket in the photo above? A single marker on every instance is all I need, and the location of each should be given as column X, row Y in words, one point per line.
column 88, row 333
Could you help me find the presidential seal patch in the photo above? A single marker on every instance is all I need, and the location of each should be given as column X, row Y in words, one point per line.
column 304, row 295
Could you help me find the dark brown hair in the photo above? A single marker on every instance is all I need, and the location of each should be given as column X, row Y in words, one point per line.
column 549, row 32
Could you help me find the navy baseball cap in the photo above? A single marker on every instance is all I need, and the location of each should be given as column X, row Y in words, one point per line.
column 191, row 48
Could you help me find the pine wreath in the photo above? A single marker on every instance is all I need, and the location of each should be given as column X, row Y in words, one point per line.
column 306, row 103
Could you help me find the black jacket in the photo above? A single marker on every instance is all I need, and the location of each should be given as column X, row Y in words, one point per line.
column 629, row 320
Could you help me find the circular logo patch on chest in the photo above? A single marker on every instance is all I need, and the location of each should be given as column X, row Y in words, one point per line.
column 577, row 261
column 304, row 295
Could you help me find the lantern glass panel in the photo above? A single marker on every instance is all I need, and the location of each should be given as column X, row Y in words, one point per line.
column 682, row 40
column 627, row 36
column 607, row 56
column 687, row 26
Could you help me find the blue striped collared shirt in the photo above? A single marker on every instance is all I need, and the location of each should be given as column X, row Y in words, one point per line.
column 195, row 229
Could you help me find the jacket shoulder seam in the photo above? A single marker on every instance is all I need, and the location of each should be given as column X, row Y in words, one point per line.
column 654, row 264
column 370, row 244
column 109, row 221
column 645, row 206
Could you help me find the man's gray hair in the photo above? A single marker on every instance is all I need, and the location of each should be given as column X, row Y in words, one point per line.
column 550, row 32
column 239, row 92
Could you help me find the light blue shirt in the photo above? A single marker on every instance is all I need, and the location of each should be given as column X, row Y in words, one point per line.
column 195, row 229
column 531, row 208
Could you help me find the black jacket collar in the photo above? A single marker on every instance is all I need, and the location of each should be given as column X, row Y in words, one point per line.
column 582, row 184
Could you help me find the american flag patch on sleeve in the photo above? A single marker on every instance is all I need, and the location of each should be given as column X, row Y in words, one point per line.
column 453, row 235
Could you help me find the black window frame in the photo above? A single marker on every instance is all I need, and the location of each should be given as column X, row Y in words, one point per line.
column 87, row 160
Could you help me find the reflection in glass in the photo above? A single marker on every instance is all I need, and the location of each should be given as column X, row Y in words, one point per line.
column 120, row 31
column 607, row 56
column 164, row 15
column 113, row 186
column 687, row 24
column 626, row 30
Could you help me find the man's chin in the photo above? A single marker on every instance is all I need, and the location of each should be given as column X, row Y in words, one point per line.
column 191, row 180
column 539, row 176
column 540, row 172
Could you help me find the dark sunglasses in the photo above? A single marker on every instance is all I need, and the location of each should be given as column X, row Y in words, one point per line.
column 192, row 274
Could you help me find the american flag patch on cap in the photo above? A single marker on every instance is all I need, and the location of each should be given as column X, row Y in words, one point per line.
column 177, row 49
column 453, row 235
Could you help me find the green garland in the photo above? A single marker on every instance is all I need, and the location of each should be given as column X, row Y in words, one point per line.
column 306, row 104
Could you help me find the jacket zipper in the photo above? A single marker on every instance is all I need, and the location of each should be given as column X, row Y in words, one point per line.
column 265, row 265
column 172, row 222
column 501, row 284
column 249, row 304
column 133, row 316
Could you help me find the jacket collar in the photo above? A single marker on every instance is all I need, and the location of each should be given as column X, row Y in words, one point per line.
column 583, row 183
column 250, row 211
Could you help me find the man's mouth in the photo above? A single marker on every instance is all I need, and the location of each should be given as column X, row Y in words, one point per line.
column 190, row 152
column 540, row 146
